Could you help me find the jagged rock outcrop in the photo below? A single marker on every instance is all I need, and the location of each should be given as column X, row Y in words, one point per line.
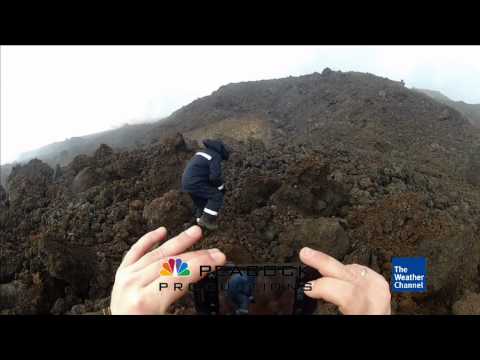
column 473, row 170
column 85, row 179
column 103, row 151
column 28, row 185
column 3, row 197
column 71, row 264
column 324, row 234
column 171, row 210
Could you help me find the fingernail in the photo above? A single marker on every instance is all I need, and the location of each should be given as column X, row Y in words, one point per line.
column 216, row 254
column 306, row 251
column 192, row 231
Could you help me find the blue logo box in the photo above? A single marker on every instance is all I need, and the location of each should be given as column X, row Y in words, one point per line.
column 409, row 274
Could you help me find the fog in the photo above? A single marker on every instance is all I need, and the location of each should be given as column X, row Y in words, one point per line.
column 52, row 93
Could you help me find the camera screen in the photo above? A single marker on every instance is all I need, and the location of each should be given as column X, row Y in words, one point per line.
column 257, row 292
column 254, row 290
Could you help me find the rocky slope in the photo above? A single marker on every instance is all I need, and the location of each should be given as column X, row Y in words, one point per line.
column 471, row 111
column 245, row 109
column 349, row 163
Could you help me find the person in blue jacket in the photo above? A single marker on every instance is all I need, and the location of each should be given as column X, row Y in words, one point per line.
column 240, row 292
column 202, row 179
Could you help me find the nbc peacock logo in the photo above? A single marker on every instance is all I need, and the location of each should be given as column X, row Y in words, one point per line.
column 175, row 268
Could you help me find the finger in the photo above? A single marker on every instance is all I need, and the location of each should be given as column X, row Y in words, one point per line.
column 335, row 291
column 143, row 245
column 361, row 272
column 325, row 264
column 172, row 247
column 182, row 242
column 152, row 272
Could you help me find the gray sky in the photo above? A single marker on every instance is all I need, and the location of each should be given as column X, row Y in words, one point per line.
column 50, row 93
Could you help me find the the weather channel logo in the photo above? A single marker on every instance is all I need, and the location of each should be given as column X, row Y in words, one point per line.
column 409, row 274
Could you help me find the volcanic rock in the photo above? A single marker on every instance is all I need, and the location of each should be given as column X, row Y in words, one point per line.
column 171, row 210
column 469, row 304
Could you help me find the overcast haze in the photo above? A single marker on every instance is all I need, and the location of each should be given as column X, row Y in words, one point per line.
column 49, row 94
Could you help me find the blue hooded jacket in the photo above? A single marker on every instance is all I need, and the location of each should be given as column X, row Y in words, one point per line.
column 240, row 291
column 205, row 168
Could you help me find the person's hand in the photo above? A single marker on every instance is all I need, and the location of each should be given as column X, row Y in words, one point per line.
column 355, row 289
column 136, row 289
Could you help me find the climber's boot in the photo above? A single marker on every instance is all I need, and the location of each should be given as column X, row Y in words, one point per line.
column 208, row 221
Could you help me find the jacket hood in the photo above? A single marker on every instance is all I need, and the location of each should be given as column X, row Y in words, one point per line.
column 218, row 146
